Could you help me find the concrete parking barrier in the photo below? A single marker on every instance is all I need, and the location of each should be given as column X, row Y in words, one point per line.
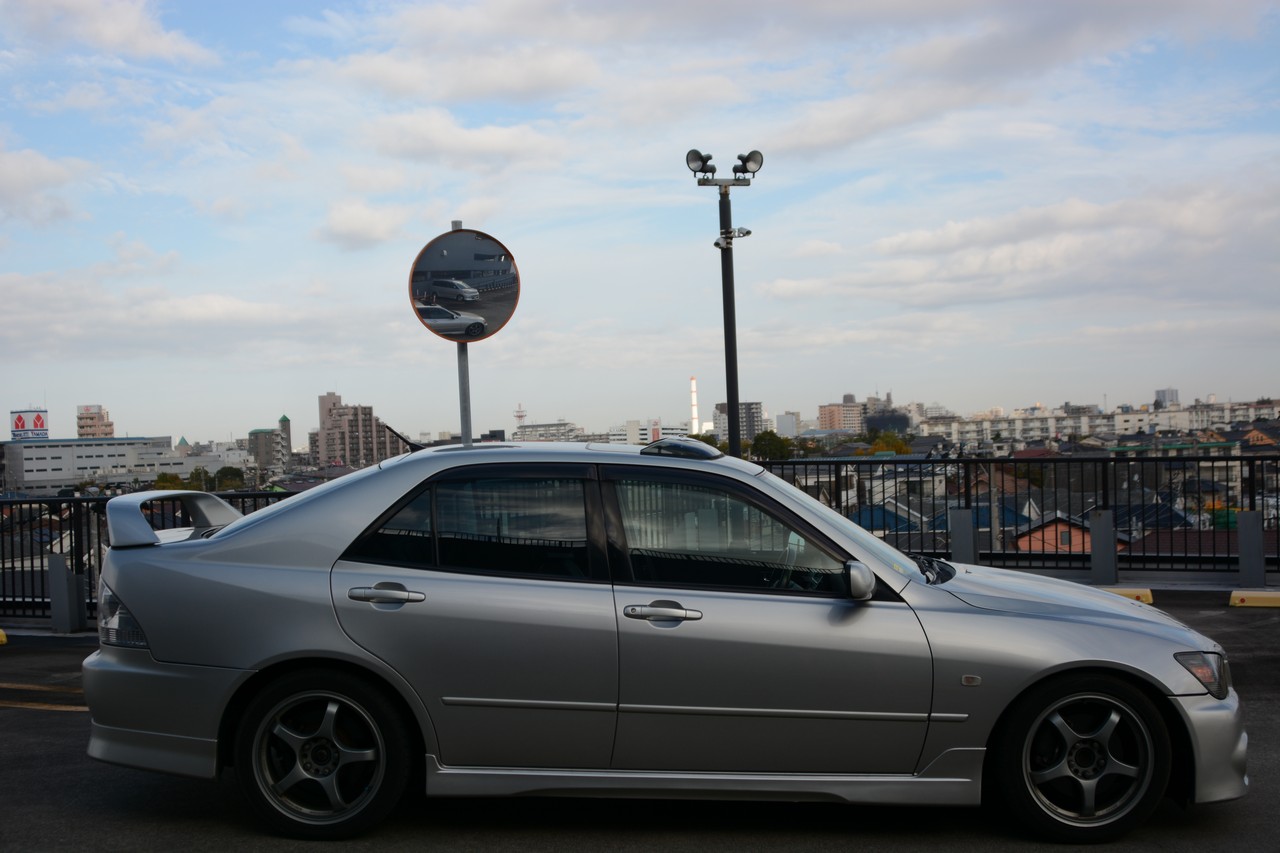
column 1143, row 595
column 1255, row 598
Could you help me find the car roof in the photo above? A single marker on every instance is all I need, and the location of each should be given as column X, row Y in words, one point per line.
column 573, row 451
column 410, row 468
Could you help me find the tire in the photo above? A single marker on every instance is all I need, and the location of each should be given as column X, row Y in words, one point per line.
column 322, row 755
column 474, row 330
column 1081, row 759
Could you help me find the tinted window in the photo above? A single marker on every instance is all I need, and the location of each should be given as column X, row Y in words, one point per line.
column 405, row 539
column 683, row 534
column 514, row 526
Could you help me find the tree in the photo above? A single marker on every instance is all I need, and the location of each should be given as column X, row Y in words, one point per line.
column 770, row 445
column 883, row 442
column 710, row 438
column 169, row 481
column 228, row 478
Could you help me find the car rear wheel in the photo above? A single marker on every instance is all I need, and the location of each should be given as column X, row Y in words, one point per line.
column 1082, row 759
column 322, row 755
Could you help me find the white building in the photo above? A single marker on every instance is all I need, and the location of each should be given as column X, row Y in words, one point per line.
column 43, row 467
column 645, row 432
column 558, row 431
column 94, row 422
column 1038, row 424
column 789, row 424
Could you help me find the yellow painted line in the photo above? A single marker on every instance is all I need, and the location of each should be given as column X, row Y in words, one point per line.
column 40, row 706
column 3, row 638
column 1255, row 598
column 1143, row 595
column 51, row 688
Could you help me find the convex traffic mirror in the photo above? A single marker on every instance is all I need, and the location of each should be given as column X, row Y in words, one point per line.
column 464, row 285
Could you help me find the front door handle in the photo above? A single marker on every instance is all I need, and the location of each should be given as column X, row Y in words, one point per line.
column 384, row 595
column 661, row 611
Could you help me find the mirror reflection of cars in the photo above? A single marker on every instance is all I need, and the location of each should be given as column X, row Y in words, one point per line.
column 453, row 290
column 610, row 620
column 446, row 321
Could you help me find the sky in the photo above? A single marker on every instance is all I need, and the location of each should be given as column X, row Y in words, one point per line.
column 209, row 211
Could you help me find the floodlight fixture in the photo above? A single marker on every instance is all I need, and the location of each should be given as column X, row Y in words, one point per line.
column 699, row 163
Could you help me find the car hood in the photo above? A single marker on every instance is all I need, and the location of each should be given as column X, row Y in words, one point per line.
column 1020, row 592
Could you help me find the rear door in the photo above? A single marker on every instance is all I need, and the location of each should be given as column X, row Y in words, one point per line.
column 740, row 650
column 488, row 591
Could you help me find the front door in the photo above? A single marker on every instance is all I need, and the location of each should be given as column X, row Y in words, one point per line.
column 739, row 649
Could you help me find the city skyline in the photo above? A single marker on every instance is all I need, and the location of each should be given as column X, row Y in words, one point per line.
column 209, row 213
column 808, row 414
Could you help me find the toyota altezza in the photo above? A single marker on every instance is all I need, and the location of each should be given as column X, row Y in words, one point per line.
column 602, row 620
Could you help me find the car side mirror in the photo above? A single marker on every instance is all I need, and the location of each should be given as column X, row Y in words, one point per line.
column 862, row 581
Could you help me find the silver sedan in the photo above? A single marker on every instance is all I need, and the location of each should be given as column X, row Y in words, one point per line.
column 446, row 321
column 602, row 620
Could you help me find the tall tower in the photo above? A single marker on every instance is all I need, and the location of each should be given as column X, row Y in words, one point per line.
column 694, row 426
column 520, row 415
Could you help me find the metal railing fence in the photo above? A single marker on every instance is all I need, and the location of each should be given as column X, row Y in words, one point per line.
column 1172, row 517
column 1166, row 518
column 74, row 528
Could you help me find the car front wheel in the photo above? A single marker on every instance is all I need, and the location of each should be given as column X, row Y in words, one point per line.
column 1082, row 759
column 474, row 329
column 322, row 755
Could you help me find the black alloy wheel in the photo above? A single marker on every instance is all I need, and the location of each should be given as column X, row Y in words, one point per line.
column 322, row 755
column 1082, row 759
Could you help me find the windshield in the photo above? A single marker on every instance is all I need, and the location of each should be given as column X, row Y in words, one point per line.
column 866, row 543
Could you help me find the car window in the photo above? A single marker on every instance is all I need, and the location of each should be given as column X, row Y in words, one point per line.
column 520, row 526
column 404, row 539
column 701, row 535
column 514, row 526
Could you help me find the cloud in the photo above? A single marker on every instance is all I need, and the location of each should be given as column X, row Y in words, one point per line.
column 1167, row 243
column 29, row 182
column 355, row 224
column 140, row 303
column 127, row 27
column 817, row 249
column 516, row 72
column 435, row 136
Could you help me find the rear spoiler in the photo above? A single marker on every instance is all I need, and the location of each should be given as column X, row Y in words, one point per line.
column 127, row 526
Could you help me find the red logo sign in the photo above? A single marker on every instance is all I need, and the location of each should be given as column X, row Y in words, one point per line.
column 19, row 422
column 38, row 423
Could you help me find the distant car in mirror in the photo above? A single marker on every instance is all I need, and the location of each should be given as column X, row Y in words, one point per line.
column 445, row 321
column 453, row 290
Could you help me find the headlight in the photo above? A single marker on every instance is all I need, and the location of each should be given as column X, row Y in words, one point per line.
column 116, row 625
column 1210, row 669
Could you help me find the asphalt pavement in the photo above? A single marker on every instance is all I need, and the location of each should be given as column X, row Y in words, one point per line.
column 53, row 797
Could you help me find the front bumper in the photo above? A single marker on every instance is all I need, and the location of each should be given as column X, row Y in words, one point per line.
column 1220, row 745
column 153, row 715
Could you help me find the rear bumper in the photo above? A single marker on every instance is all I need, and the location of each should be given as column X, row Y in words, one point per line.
column 1220, row 745
column 153, row 715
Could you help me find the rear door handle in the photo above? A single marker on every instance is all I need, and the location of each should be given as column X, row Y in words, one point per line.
column 384, row 595
column 661, row 611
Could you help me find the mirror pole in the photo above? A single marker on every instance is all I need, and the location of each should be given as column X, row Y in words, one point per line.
column 464, row 393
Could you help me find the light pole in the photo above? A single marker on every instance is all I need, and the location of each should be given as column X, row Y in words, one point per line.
column 747, row 165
